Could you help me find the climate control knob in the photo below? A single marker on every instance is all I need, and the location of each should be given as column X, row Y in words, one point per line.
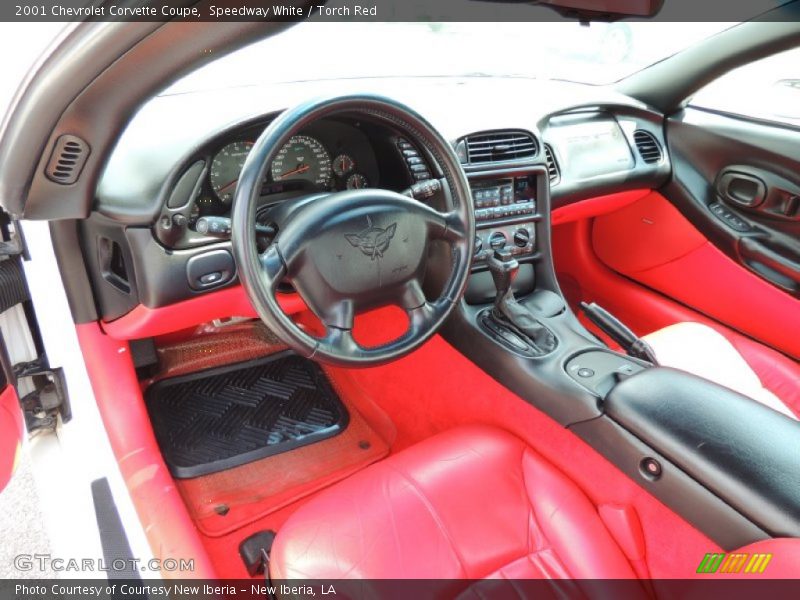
column 522, row 237
column 497, row 240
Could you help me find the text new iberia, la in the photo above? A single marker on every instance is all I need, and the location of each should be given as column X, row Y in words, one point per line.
column 256, row 589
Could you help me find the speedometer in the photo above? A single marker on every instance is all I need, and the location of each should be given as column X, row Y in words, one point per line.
column 302, row 157
column 225, row 169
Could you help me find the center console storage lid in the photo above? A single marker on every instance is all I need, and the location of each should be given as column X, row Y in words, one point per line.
column 745, row 453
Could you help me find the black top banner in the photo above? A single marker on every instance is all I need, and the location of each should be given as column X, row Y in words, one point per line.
column 397, row 10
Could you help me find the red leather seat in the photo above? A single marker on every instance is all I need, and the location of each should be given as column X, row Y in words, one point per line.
column 474, row 502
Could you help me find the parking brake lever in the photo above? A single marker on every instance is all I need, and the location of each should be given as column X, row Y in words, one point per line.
column 617, row 331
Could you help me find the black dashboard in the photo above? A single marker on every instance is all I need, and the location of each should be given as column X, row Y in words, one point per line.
column 522, row 160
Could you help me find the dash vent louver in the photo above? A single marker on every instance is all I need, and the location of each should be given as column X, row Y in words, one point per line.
column 500, row 146
column 67, row 160
column 648, row 147
column 553, row 170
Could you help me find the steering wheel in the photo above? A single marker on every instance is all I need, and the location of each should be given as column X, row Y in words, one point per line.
column 352, row 251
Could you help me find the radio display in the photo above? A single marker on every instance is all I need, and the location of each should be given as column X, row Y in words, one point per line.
column 503, row 198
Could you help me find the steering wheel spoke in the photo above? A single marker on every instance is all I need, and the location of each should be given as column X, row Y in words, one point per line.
column 421, row 317
column 412, row 296
column 273, row 266
column 421, row 313
column 454, row 230
column 341, row 341
column 446, row 226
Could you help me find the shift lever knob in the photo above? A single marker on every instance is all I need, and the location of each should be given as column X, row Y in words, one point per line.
column 504, row 268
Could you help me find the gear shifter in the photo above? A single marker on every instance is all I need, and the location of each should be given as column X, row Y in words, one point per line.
column 504, row 268
column 509, row 313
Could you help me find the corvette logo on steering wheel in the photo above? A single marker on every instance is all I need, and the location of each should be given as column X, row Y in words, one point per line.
column 372, row 241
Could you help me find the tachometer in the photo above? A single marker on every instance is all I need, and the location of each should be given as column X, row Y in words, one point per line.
column 225, row 169
column 302, row 157
column 343, row 164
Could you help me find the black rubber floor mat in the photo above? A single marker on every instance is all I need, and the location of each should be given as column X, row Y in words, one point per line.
column 225, row 417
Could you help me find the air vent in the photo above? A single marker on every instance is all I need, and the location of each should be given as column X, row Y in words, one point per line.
column 648, row 146
column 553, row 171
column 500, row 146
column 66, row 162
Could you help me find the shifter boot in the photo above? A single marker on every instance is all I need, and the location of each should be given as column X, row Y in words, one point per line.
column 509, row 313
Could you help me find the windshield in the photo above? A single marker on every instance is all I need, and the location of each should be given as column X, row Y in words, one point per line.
column 597, row 54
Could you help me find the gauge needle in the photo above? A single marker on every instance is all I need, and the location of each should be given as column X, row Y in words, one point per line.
column 227, row 185
column 300, row 169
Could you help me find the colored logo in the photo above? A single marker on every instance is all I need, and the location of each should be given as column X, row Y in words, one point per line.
column 735, row 562
column 372, row 241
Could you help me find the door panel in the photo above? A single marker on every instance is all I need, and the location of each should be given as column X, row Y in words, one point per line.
column 651, row 242
column 738, row 181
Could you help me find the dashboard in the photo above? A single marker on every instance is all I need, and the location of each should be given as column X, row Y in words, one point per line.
column 142, row 240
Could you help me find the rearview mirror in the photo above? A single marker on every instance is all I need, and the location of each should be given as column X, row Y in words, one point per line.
column 605, row 10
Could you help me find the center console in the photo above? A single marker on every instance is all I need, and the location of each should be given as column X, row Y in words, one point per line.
column 515, row 324
column 507, row 217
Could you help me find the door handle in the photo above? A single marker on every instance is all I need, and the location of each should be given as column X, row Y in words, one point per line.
column 752, row 251
column 742, row 189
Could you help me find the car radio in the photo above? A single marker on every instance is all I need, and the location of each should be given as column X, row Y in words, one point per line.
column 504, row 213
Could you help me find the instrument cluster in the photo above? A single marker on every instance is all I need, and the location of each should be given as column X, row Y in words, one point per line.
column 329, row 156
